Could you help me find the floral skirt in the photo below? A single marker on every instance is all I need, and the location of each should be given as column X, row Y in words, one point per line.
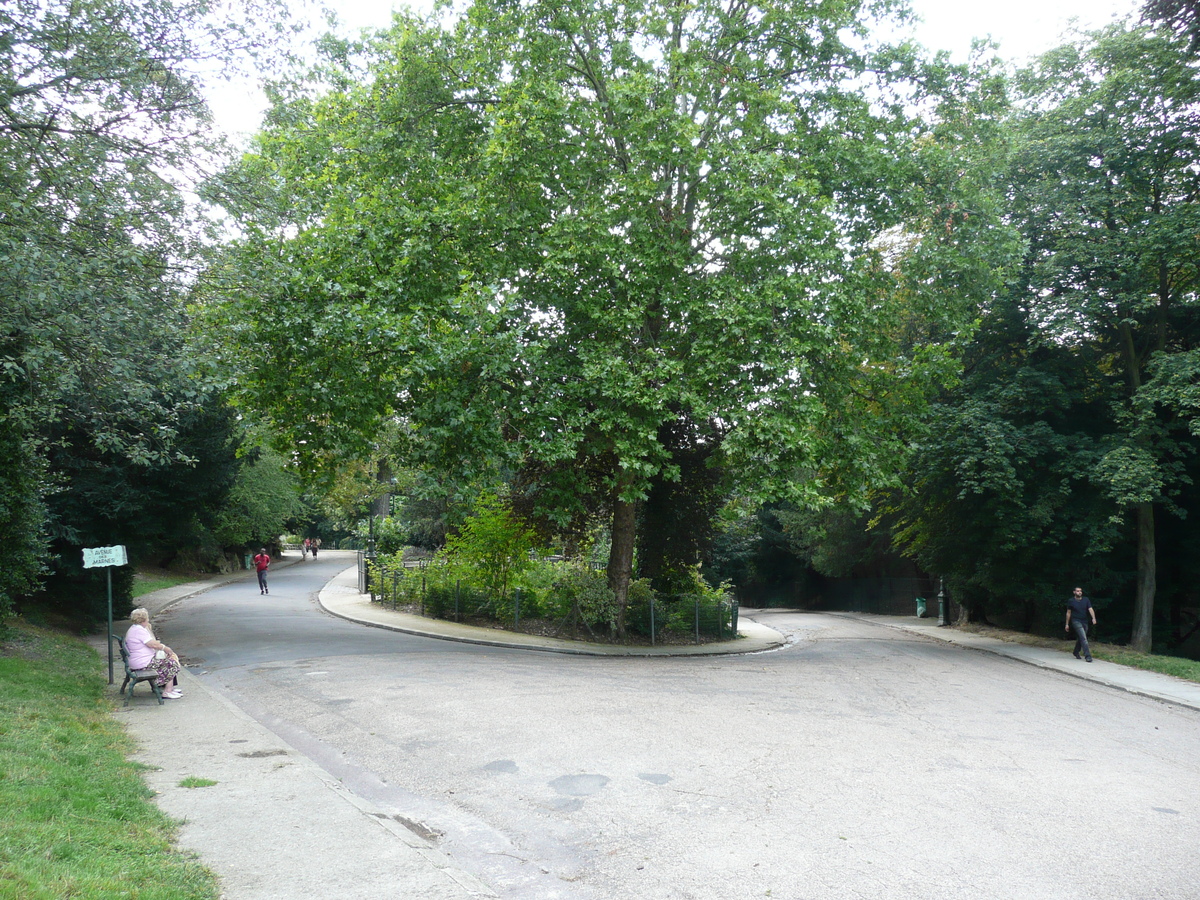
column 167, row 669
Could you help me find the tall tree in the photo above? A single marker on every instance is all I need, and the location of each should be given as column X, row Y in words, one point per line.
column 100, row 119
column 1183, row 16
column 569, row 229
column 1107, row 193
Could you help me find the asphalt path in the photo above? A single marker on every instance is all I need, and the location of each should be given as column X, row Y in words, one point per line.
column 856, row 762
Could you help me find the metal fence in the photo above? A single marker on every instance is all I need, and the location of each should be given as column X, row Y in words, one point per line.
column 656, row 619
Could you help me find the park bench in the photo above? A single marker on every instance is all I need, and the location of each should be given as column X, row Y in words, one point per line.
column 133, row 676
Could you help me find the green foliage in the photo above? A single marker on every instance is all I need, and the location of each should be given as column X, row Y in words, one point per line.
column 1073, row 421
column 1001, row 502
column 101, row 119
column 491, row 550
column 583, row 594
column 571, row 596
column 22, row 515
column 697, row 597
column 552, row 238
column 264, row 498
column 1106, row 191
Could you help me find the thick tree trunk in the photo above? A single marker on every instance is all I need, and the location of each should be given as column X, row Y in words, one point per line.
column 1147, row 580
column 620, row 556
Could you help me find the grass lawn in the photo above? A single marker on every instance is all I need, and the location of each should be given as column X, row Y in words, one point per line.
column 76, row 817
column 147, row 582
column 1188, row 669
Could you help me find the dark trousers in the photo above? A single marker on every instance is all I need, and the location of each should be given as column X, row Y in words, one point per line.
column 1081, row 645
column 262, row 580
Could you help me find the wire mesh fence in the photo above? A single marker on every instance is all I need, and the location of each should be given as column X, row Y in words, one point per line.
column 415, row 588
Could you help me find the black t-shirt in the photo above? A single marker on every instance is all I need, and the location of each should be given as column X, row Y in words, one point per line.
column 1079, row 607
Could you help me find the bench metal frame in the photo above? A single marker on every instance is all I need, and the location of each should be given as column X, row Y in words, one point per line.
column 133, row 676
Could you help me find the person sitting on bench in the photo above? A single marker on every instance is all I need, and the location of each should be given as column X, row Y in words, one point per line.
column 148, row 652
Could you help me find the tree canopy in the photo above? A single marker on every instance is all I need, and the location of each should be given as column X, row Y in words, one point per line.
column 1073, row 431
column 558, row 233
column 102, row 124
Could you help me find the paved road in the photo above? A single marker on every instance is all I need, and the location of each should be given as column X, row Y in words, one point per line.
column 856, row 762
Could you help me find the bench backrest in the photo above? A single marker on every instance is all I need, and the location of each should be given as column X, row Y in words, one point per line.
column 121, row 647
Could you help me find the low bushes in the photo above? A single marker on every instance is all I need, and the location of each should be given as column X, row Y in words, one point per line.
column 569, row 598
column 487, row 572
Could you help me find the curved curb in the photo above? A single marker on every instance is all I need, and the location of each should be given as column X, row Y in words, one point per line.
column 1140, row 682
column 340, row 598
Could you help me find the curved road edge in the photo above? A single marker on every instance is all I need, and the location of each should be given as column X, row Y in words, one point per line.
column 340, row 597
column 1156, row 686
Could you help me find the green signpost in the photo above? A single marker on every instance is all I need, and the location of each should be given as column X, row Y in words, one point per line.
column 107, row 557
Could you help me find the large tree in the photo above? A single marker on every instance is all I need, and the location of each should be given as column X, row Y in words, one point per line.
column 564, row 232
column 1107, row 193
column 101, row 122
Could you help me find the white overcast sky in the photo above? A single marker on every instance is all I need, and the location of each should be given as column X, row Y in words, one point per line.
column 1022, row 28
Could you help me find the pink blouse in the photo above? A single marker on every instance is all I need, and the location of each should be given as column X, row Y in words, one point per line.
column 135, row 642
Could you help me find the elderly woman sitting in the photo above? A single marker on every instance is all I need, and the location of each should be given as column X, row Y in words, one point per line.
column 148, row 652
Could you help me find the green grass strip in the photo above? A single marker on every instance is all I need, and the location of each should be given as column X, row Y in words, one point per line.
column 1179, row 666
column 1188, row 669
column 148, row 584
column 76, row 817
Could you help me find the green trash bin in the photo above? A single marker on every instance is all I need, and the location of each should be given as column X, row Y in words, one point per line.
column 920, row 607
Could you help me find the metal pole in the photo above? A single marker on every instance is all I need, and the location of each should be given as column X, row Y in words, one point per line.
column 517, row 608
column 651, row 620
column 943, row 613
column 697, row 601
column 108, row 572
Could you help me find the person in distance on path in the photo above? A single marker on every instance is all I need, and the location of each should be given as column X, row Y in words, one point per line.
column 262, row 562
column 1079, row 608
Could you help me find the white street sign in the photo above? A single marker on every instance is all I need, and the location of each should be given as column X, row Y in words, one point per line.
column 104, row 556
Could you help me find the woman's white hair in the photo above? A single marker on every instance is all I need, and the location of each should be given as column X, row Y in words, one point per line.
column 139, row 615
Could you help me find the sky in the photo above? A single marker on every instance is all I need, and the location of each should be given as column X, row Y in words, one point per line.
column 1022, row 28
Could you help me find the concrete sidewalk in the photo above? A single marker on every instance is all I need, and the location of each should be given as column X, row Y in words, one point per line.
column 270, row 822
column 1166, row 688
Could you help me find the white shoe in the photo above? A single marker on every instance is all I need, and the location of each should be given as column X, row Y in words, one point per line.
column 172, row 695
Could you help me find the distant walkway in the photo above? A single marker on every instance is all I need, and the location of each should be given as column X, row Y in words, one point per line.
column 341, row 598
column 1166, row 688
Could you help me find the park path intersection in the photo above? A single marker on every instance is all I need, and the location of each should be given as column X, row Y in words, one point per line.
column 852, row 760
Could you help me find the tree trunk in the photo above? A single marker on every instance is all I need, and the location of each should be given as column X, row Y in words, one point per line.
column 1147, row 578
column 620, row 556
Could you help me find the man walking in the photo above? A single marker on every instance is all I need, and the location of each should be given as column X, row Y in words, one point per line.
column 262, row 561
column 1079, row 608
